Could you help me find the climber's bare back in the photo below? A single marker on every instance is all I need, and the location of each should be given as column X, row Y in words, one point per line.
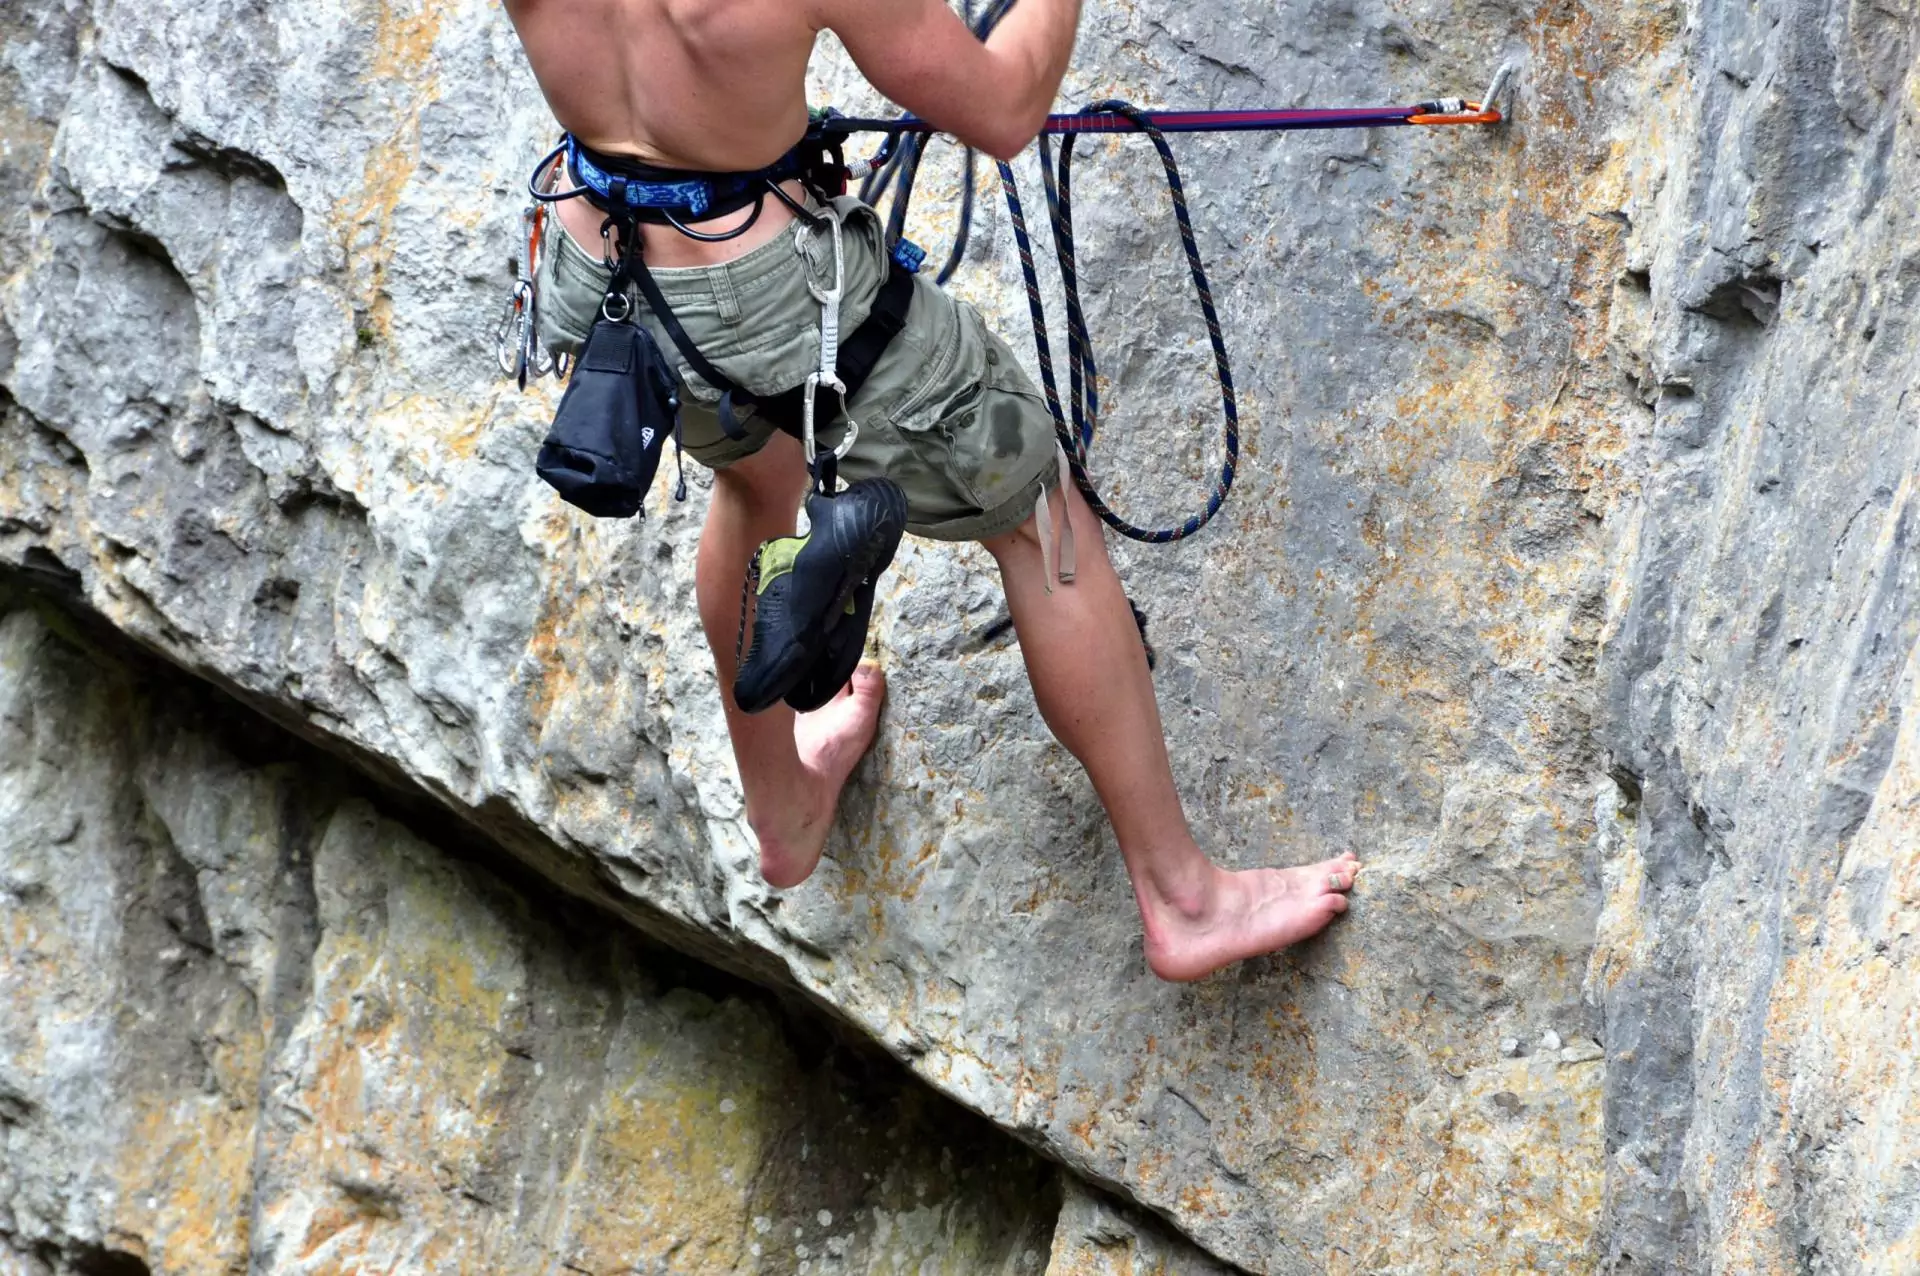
column 720, row 85
column 706, row 84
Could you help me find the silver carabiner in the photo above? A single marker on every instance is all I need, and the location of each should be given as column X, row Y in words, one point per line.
column 509, row 335
column 829, row 373
column 807, row 394
column 846, row 444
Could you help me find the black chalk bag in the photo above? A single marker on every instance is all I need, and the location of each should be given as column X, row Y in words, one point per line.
column 614, row 420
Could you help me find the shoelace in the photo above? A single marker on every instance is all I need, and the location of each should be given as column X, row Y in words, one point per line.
column 749, row 590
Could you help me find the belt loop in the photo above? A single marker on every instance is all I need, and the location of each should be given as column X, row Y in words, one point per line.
column 725, row 298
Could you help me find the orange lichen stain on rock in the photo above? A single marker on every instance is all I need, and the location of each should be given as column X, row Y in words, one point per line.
column 675, row 1162
column 186, row 1170
column 1144, row 1068
column 395, row 1022
column 1083, row 1128
column 1198, row 1202
column 429, row 432
column 461, row 431
column 328, row 1221
column 1150, row 1165
column 1851, row 1091
column 365, row 225
column 1036, row 1089
column 1047, row 888
column 1282, row 1058
column 887, row 861
column 568, row 605
column 401, row 71
column 1499, row 1166
column 404, row 39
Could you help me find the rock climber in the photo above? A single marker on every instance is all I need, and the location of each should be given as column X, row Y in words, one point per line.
column 678, row 89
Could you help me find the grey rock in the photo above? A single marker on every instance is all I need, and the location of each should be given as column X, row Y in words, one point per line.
column 1757, row 672
column 1582, row 1051
column 251, row 420
column 250, row 1021
column 1097, row 1237
column 1567, row 579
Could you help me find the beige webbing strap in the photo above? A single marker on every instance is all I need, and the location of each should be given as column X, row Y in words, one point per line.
column 1066, row 516
column 1056, row 544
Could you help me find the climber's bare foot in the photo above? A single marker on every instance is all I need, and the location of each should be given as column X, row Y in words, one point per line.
column 1239, row 915
column 830, row 741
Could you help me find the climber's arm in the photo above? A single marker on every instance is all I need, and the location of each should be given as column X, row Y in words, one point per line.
column 993, row 96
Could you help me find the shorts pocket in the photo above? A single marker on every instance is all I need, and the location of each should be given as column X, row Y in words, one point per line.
column 986, row 418
column 568, row 287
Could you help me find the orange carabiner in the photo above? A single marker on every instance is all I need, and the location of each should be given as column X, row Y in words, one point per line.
column 537, row 223
column 1468, row 111
column 1474, row 114
column 536, row 226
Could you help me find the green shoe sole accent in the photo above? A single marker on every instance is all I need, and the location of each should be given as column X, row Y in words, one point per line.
column 776, row 559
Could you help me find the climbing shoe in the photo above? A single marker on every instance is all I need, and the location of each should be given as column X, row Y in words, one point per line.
column 840, row 654
column 801, row 588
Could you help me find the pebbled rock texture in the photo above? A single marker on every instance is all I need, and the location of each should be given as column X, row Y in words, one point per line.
column 1566, row 580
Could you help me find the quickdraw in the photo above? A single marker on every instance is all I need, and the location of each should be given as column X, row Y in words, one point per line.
column 517, row 345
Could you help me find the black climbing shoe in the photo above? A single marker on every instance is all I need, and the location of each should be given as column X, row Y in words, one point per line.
column 802, row 586
column 846, row 642
column 840, row 654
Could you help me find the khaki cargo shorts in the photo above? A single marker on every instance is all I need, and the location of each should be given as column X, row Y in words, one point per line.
column 948, row 414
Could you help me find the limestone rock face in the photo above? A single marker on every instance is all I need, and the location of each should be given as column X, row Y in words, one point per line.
column 1566, row 579
column 1760, row 652
column 252, row 1023
column 1094, row 1237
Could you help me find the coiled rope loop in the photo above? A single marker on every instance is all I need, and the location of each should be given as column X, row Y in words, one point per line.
column 1083, row 404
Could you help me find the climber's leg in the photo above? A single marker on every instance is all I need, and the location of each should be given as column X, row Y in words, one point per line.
column 792, row 767
column 1090, row 678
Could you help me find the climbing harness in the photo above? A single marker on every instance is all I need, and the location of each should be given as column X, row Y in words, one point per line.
column 630, row 192
column 679, row 197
